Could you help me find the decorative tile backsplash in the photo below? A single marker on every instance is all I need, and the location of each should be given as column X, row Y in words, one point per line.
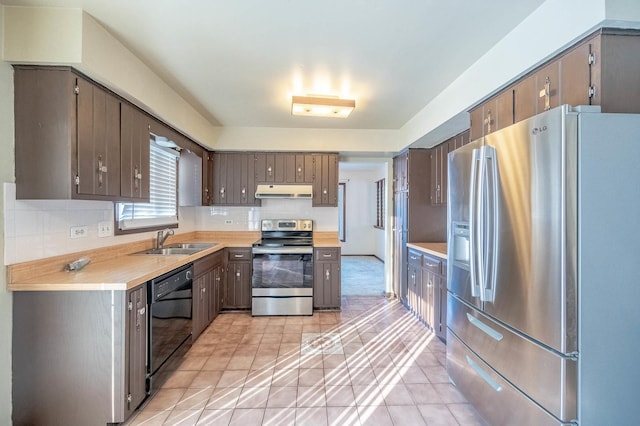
column 35, row 229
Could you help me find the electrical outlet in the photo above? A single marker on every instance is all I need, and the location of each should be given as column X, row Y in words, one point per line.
column 79, row 231
column 228, row 222
column 105, row 229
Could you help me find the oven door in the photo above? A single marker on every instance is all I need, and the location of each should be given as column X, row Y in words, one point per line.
column 281, row 274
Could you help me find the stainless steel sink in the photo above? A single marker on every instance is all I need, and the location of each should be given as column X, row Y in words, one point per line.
column 178, row 248
column 198, row 246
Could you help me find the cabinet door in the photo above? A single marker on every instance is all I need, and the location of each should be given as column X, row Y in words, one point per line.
column 136, row 353
column 216, row 295
column 247, row 180
column 238, row 288
column 504, row 109
column 428, row 288
column 219, row 179
column 575, row 75
column 476, row 122
column 325, row 180
column 296, row 168
column 200, row 315
column 270, row 167
column 134, row 153
column 548, row 87
column 525, row 99
column 326, row 285
column 98, row 130
column 441, row 305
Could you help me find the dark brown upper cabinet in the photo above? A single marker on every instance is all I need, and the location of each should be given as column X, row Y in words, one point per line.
column 67, row 136
column 439, row 156
column 298, row 168
column 270, row 167
column 233, row 179
column 599, row 70
column 325, row 180
column 134, row 159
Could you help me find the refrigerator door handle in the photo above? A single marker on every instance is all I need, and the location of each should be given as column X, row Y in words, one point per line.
column 490, row 223
column 483, row 374
column 484, row 327
column 474, row 247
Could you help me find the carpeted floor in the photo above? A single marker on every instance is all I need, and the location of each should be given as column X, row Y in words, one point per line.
column 362, row 276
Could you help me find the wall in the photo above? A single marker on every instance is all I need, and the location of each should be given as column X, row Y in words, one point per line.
column 71, row 37
column 6, row 175
column 35, row 229
column 360, row 201
column 325, row 219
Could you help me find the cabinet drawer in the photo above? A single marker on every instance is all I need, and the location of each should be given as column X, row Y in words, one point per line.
column 432, row 263
column 415, row 258
column 239, row 254
column 327, row 254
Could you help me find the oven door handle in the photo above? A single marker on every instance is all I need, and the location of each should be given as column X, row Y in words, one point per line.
column 282, row 250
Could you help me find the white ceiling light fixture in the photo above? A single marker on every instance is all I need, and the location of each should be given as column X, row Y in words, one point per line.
column 322, row 106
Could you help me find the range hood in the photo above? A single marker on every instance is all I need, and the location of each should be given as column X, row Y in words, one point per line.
column 284, row 191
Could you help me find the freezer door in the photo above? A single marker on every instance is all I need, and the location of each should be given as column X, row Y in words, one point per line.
column 533, row 289
column 462, row 167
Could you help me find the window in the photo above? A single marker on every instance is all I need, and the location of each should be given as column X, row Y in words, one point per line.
column 162, row 208
column 380, row 204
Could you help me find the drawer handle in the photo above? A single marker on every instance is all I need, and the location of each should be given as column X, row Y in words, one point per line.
column 414, row 258
column 238, row 255
column 326, row 255
column 484, row 327
column 432, row 265
column 495, row 385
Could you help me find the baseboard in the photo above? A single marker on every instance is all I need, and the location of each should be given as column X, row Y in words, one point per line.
column 372, row 255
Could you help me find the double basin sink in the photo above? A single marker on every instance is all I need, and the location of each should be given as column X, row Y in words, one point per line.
column 178, row 248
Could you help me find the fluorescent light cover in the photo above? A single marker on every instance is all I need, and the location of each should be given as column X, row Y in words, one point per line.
column 322, row 106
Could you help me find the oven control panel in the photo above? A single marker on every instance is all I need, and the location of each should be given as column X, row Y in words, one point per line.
column 287, row 225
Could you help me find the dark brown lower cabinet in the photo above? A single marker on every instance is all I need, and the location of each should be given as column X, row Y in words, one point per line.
column 414, row 282
column 237, row 288
column 136, row 349
column 440, row 314
column 326, row 280
column 207, row 295
column 89, row 345
column 427, row 290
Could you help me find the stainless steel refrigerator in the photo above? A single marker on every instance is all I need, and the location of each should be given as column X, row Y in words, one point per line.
column 543, row 323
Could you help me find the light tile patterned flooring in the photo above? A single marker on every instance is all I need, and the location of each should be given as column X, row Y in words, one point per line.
column 372, row 363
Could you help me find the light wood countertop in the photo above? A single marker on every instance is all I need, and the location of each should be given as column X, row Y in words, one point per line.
column 326, row 239
column 434, row 249
column 116, row 267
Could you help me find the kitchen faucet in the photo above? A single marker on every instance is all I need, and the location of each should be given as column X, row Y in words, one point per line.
column 162, row 236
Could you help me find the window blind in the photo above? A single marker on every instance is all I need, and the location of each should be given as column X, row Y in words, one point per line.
column 162, row 208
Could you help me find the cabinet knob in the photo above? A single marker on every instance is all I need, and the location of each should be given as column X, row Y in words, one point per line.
column 299, row 171
column 269, row 170
column 328, row 274
column 244, row 191
column 546, row 93
column 238, row 274
column 324, row 191
column 101, row 170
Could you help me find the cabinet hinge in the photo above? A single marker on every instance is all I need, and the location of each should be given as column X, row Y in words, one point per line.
column 592, row 58
column 592, row 91
column 130, row 306
column 76, row 89
column 129, row 398
column 77, row 180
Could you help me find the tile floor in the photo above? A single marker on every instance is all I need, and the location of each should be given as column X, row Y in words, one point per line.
column 372, row 363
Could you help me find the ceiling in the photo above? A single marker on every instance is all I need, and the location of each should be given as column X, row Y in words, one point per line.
column 238, row 62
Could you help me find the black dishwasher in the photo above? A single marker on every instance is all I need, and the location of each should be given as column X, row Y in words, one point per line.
column 170, row 299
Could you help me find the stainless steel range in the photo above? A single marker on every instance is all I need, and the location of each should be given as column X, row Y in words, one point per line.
column 282, row 282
